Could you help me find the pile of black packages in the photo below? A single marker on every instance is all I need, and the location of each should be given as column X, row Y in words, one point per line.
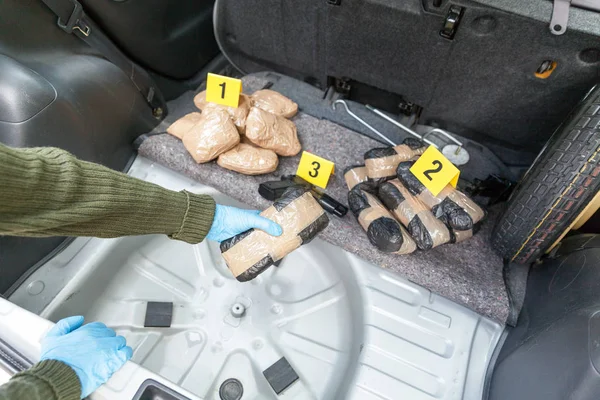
column 396, row 210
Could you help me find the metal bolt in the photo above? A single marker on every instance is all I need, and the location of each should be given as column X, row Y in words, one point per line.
column 238, row 310
column 157, row 112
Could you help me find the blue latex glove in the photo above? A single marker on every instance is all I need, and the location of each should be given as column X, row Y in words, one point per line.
column 230, row 221
column 94, row 351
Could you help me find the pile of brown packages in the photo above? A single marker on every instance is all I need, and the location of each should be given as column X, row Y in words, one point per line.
column 395, row 209
column 247, row 139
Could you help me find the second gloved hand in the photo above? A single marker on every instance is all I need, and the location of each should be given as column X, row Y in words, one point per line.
column 230, row 221
column 93, row 351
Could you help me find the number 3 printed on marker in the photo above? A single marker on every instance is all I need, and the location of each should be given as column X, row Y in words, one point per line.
column 315, row 171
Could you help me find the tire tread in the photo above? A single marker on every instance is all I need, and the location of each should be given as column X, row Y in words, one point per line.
column 562, row 181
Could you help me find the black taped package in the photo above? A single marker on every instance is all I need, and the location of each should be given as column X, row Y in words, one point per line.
column 383, row 230
column 451, row 206
column 381, row 163
column 426, row 230
column 301, row 218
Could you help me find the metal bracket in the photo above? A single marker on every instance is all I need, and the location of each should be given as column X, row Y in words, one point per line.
column 560, row 13
column 75, row 21
column 362, row 121
column 451, row 22
column 560, row 16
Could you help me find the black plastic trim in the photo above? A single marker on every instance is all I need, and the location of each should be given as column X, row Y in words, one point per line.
column 166, row 393
column 11, row 359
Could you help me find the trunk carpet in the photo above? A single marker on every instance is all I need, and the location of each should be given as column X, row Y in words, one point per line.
column 469, row 273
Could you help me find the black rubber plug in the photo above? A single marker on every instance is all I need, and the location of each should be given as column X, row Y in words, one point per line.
column 158, row 315
column 280, row 375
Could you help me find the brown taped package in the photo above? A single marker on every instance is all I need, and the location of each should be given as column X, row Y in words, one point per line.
column 249, row 160
column 461, row 236
column 184, row 124
column 200, row 100
column 451, row 206
column 214, row 134
column 269, row 131
column 300, row 217
column 275, row 103
column 238, row 114
column 457, row 197
column 383, row 230
column 427, row 231
column 381, row 163
column 355, row 175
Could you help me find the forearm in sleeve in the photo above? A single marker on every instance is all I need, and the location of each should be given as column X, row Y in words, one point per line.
column 47, row 380
column 49, row 192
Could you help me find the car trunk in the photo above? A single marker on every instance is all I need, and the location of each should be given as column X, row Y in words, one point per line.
column 352, row 323
column 349, row 329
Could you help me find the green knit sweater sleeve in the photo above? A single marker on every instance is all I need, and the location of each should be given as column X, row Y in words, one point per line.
column 47, row 380
column 48, row 192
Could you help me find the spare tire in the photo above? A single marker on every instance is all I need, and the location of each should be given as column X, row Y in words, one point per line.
column 563, row 180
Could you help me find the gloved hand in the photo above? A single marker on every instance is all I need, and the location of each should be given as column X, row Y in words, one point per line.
column 230, row 221
column 94, row 351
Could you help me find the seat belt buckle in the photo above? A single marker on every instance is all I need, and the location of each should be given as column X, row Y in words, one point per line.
column 75, row 21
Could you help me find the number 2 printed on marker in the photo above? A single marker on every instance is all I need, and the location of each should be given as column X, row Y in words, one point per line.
column 428, row 172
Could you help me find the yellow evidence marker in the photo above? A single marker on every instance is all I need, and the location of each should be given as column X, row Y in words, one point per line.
column 315, row 169
column 223, row 90
column 435, row 171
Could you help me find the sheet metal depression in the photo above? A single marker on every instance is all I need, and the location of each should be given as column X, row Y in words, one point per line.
column 301, row 217
column 451, row 206
column 270, row 131
column 249, row 160
column 426, row 230
column 383, row 230
column 381, row 163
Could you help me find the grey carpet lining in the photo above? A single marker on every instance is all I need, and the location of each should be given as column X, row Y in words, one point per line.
column 312, row 102
column 469, row 273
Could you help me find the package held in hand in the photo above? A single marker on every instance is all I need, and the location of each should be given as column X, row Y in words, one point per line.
column 301, row 218
column 214, row 134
